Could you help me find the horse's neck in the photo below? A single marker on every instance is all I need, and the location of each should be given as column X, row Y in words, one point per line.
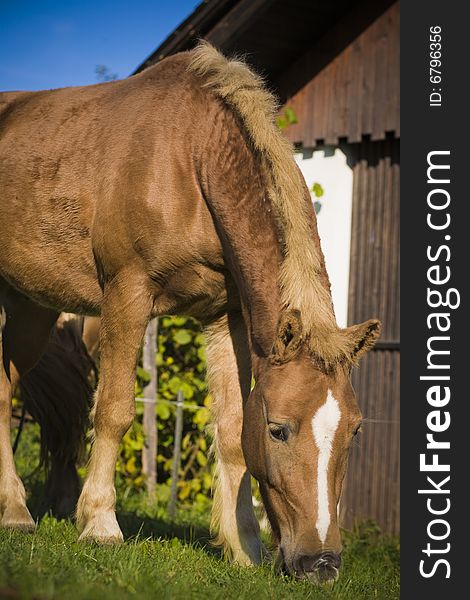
column 244, row 219
column 252, row 251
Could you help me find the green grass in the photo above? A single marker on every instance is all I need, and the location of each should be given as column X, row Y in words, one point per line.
column 168, row 560
column 162, row 560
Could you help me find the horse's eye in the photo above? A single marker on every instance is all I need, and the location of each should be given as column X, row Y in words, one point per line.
column 280, row 433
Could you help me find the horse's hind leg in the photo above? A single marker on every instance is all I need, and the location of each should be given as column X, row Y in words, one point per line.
column 126, row 309
column 13, row 511
column 229, row 374
column 22, row 342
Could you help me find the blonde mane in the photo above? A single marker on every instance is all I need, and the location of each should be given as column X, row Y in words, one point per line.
column 302, row 278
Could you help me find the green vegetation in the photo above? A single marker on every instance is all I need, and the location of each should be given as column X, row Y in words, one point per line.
column 164, row 559
column 286, row 118
column 181, row 366
column 160, row 559
column 316, row 192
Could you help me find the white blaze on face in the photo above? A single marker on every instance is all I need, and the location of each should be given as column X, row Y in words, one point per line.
column 324, row 425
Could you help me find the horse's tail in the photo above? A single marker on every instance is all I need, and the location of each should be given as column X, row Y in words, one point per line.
column 58, row 394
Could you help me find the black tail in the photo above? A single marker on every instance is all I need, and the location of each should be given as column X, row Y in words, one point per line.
column 57, row 393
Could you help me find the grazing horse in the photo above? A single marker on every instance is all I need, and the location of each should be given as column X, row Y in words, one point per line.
column 173, row 192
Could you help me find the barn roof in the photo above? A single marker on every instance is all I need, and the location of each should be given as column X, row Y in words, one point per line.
column 272, row 32
column 292, row 43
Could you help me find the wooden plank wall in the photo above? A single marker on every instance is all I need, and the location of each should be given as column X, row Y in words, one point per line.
column 353, row 102
column 355, row 94
column 372, row 484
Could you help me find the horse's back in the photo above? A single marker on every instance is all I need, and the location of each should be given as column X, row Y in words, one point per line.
column 8, row 102
column 81, row 168
column 51, row 119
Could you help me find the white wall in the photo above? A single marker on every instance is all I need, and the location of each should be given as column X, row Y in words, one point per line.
column 334, row 218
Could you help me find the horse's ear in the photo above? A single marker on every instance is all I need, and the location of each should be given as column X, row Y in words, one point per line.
column 363, row 337
column 288, row 338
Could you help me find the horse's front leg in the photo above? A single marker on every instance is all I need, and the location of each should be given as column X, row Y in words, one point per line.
column 229, row 375
column 126, row 308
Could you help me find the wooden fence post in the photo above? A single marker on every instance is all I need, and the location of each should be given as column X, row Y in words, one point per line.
column 149, row 452
column 176, row 455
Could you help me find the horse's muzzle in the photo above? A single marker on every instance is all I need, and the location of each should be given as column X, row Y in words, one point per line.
column 318, row 568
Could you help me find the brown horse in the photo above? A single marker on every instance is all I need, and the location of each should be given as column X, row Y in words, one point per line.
column 173, row 192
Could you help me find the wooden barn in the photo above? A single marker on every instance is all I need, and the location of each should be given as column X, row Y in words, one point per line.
column 336, row 65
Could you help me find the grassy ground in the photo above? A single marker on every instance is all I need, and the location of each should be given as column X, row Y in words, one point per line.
column 162, row 560
column 169, row 560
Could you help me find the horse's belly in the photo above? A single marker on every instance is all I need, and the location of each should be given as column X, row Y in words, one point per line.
column 63, row 296
column 45, row 245
column 62, row 279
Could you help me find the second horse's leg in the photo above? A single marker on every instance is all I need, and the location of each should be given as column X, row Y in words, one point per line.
column 126, row 310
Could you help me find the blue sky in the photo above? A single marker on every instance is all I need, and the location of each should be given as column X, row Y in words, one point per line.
column 49, row 43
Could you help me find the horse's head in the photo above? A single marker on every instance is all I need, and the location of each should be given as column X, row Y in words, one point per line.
column 299, row 422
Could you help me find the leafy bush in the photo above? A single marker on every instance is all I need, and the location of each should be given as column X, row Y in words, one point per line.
column 180, row 361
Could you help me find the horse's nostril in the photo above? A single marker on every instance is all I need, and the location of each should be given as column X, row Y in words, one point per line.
column 330, row 558
column 320, row 568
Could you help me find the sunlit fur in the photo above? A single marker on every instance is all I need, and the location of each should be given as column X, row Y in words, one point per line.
column 301, row 280
column 173, row 192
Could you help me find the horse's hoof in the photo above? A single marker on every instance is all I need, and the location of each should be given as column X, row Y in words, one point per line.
column 18, row 519
column 107, row 540
column 104, row 530
column 257, row 555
